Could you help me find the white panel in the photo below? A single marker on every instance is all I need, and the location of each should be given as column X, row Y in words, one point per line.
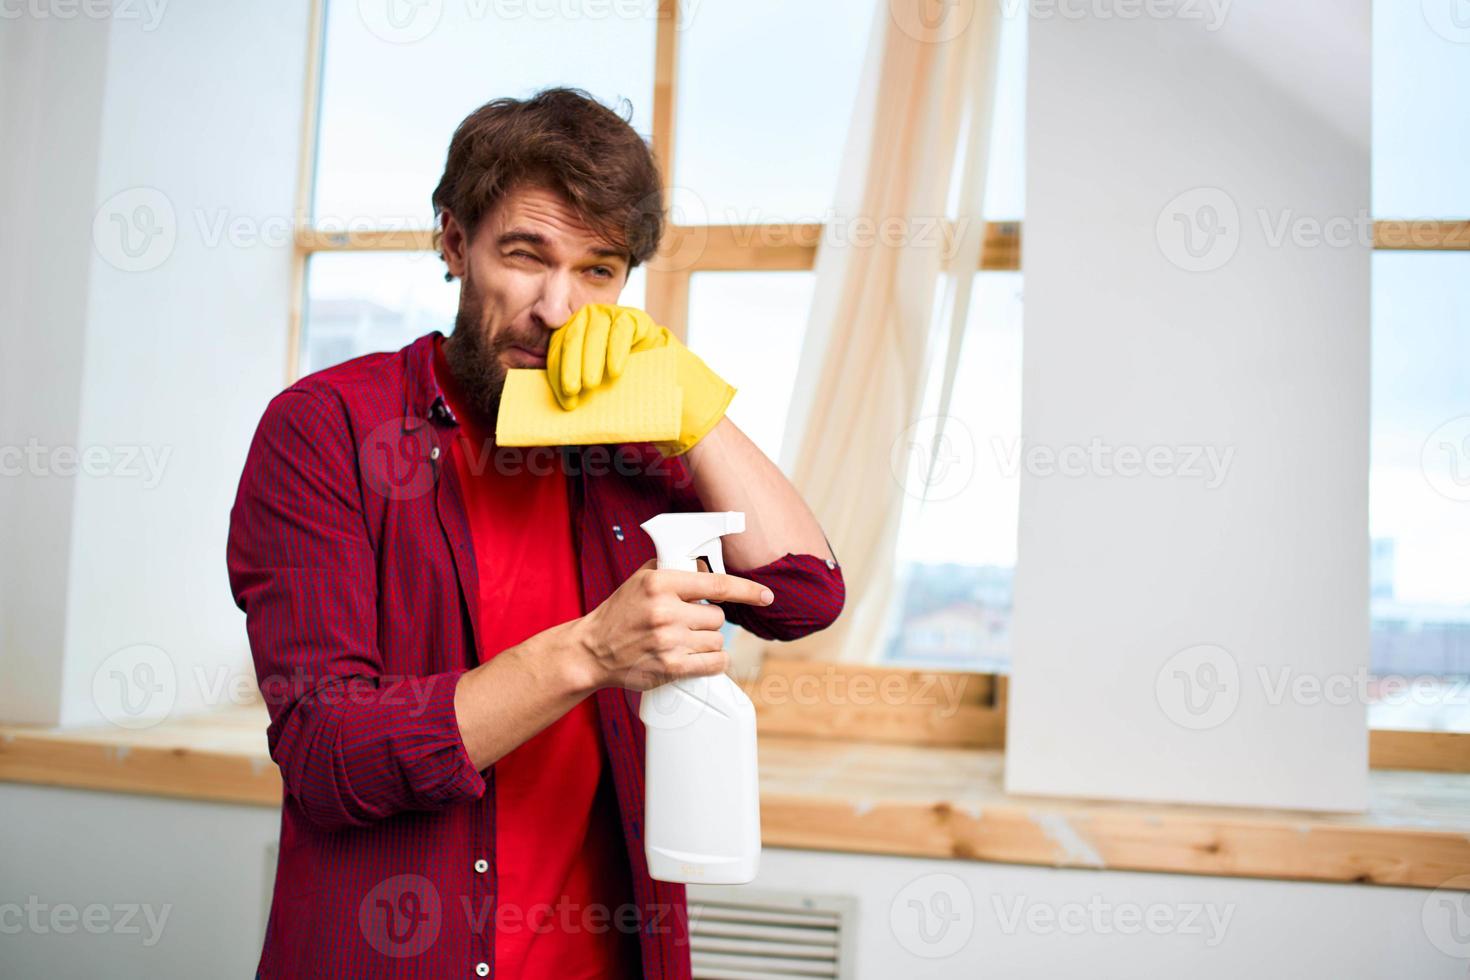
column 1192, row 562
column 190, row 285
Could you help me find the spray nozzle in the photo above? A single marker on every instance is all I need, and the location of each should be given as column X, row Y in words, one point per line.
column 679, row 538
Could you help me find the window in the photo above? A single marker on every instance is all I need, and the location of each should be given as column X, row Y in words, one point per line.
column 391, row 92
column 1419, row 485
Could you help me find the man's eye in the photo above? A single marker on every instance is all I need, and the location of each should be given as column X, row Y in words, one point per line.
column 519, row 254
column 602, row 272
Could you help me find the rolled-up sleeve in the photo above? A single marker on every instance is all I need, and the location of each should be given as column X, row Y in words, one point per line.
column 353, row 744
column 809, row 595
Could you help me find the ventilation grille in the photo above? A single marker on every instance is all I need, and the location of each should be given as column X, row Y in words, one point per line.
column 741, row 934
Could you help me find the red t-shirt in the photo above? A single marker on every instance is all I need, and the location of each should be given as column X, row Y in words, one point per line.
column 561, row 867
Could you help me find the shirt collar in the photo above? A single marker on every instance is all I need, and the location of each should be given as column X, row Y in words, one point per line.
column 423, row 399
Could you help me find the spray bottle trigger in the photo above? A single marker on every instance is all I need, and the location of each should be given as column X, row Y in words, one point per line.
column 713, row 553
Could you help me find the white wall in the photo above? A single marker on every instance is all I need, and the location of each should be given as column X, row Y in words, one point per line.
column 151, row 330
column 51, row 80
column 1164, row 619
column 206, row 864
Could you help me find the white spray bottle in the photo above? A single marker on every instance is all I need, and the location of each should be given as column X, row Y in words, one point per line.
column 702, row 813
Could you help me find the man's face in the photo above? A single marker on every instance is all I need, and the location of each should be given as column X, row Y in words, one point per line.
column 531, row 264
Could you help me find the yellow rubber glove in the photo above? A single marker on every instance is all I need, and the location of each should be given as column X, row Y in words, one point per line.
column 592, row 348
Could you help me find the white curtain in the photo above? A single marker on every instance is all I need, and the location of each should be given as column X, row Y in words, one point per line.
column 886, row 302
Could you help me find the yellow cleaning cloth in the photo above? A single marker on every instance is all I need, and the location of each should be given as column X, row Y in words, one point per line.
column 643, row 405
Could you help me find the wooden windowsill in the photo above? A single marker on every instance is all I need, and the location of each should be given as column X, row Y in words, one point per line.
column 875, row 798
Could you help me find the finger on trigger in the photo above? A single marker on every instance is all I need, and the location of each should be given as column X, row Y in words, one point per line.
column 719, row 587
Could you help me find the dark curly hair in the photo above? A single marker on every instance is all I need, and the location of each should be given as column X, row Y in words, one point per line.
column 567, row 140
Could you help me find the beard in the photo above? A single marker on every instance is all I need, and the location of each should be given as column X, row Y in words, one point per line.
column 474, row 357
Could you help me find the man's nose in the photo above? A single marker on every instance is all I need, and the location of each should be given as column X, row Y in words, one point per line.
column 556, row 304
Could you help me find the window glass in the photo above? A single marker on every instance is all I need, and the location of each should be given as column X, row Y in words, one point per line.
column 1419, row 491
column 749, row 327
column 397, row 78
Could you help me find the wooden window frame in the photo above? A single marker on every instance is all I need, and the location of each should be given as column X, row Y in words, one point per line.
column 864, row 712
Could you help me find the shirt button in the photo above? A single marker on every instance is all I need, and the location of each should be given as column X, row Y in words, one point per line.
column 434, row 453
column 831, row 563
column 481, row 866
column 618, row 531
column 482, row 969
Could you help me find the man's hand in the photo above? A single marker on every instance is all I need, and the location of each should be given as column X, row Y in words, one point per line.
column 653, row 629
column 593, row 347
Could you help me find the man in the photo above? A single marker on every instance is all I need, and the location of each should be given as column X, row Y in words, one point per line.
column 450, row 635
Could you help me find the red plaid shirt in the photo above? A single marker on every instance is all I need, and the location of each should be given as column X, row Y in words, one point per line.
column 350, row 552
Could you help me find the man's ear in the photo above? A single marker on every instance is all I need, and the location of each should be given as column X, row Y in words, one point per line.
column 455, row 246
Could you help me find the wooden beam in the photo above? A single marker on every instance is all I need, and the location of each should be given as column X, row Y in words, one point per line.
column 311, row 240
column 951, row 803
column 879, row 704
column 305, row 179
column 1402, row 234
column 1428, row 751
column 665, row 80
column 875, row 798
